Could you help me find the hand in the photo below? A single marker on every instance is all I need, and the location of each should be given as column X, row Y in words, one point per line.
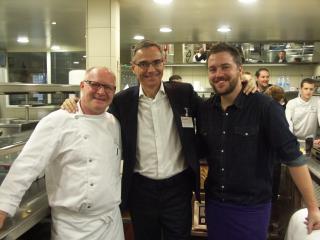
column 316, row 142
column 313, row 221
column 3, row 216
column 249, row 86
column 70, row 104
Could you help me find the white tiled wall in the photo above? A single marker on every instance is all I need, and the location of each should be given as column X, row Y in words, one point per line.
column 296, row 73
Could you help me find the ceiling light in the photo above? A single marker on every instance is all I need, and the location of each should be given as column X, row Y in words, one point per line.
column 75, row 62
column 23, row 39
column 163, row 2
column 55, row 48
column 224, row 29
column 165, row 29
column 53, row 23
column 138, row 37
column 84, row 56
column 247, row 1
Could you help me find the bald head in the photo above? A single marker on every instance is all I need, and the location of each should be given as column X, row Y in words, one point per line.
column 97, row 90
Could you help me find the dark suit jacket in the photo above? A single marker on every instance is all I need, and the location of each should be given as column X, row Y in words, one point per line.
column 125, row 109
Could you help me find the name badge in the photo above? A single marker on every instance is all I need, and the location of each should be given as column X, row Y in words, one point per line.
column 187, row 122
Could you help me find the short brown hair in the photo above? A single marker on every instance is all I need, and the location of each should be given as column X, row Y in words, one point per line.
column 307, row 80
column 276, row 92
column 224, row 47
column 145, row 44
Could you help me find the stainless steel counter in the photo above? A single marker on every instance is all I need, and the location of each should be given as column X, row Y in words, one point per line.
column 33, row 208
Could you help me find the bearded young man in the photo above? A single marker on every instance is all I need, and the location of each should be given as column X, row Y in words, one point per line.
column 242, row 135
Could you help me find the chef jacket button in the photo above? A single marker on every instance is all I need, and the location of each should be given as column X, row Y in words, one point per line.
column 85, row 137
column 90, row 160
column 88, row 206
column 76, row 117
column 91, row 184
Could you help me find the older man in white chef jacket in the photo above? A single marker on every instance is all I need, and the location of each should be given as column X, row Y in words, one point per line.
column 80, row 154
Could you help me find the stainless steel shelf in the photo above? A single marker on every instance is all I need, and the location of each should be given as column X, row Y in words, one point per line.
column 12, row 88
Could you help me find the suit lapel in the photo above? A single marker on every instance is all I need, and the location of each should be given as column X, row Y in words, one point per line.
column 132, row 120
column 174, row 103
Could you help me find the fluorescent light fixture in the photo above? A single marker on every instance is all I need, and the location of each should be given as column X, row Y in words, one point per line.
column 165, row 29
column 247, row 1
column 75, row 62
column 54, row 23
column 55, row 48
column 22, row 39
column 224, row 29
column 163, row 2
column 84, row 56
column 138, row 37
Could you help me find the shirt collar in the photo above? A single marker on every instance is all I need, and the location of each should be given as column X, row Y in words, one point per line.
column 238, row 102
column 161, row 90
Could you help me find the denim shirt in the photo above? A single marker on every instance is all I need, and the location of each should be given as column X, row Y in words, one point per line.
column 241, row 145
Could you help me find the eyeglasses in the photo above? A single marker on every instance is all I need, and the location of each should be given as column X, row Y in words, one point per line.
column 145, row 65
column 96, row 86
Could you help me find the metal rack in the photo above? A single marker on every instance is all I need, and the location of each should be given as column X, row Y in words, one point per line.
column 14, row 88
column 34, row 206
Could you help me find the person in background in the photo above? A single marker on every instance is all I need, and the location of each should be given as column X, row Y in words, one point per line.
column 239, row 183
column 262, row 78
column 278, row 94
column 281, row 57
column 80, row 154
column 247, row 76
column 200, row 56
column 175, row 78
column 303, row 112
column 161, row 164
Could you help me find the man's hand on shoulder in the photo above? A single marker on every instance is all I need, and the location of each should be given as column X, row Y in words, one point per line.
column 70, row 104
column 249, row 86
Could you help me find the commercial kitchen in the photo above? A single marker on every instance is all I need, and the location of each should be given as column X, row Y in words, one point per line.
column 45, row 47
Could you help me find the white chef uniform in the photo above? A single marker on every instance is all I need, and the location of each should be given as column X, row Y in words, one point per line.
column 81, row 158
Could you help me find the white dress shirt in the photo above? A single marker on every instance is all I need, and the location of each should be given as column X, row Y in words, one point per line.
column 159, row 150
column 81, row 158
column 303, row 117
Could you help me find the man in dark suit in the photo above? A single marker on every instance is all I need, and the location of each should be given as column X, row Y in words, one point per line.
column 161, row 168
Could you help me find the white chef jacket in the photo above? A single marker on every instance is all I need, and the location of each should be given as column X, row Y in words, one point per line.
column 303, row 117
column 80, row 155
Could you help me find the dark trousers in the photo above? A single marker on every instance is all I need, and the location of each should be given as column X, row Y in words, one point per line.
column 161, row 209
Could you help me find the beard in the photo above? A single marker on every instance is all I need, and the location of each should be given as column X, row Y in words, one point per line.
column 229, row 89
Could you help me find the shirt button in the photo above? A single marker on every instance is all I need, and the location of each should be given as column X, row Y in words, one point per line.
column 227, row 114
column 90, row 160
column 88, row 206
column 85, row 137
column 223, row 132
column 222, row 169
column 76, row 117
column 222, row 186
column 246, row 134
column 91, row 184
column 222, row 150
